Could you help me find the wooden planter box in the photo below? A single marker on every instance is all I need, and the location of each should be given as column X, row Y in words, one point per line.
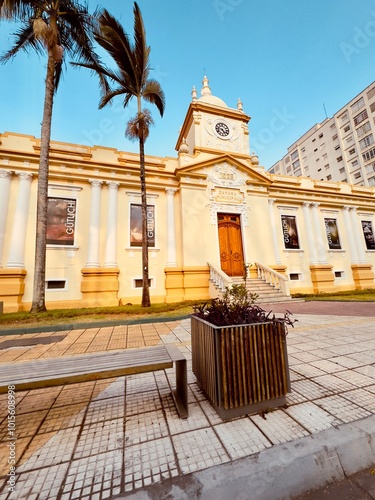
column 242, row 369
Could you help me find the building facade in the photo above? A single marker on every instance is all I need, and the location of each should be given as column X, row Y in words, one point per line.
column 340, row 149
column 211, row 209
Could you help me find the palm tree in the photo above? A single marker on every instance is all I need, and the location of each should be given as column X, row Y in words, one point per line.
column 130, row 79
column 52, row 27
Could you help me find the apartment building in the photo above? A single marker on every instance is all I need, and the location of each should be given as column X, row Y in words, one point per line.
column 339, row 149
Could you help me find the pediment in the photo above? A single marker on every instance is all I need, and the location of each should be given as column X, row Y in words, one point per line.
column 225, row 171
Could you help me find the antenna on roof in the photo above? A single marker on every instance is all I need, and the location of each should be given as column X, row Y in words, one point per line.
column 325, row 111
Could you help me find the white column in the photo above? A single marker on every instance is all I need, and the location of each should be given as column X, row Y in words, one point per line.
column 111, row 241
column 5, row 182
column 94, row 228
column 171, row 229
column 320, row 243
column 18, row 240
column 350, row 235
column 357, row 237
column 276, row 250
column 310, row 232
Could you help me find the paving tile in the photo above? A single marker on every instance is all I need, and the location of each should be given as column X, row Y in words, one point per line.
column 197, row 419
column 362, row 397
column 321, row 353
column 306, row 357
column 50, row 449
column 369, row 371
column 26, row 424
column 21, row 445
column 38, row 400
column 334, row 383
column 310, row 389
column 312, row 417
column 96, row 476
column 279, row 427
column 199, row 450
column 147, row 463
column 308, row 370
column 39, row 484
column 62, row 417
column 241, row 438
column 346, row 361
column 365, row 358
column 210, row 413
column 293, row 398
column 295, row 376
column 140, row 383
column 145, row 426
column 75, row 393
column 314, row 345
column 142, row 402
column 105, row 409
column 114, row 389
column 327, row 366
column 355, row 378
column 100, row 437
column 342, row 408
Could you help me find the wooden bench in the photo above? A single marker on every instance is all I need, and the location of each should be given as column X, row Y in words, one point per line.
column 41, row 373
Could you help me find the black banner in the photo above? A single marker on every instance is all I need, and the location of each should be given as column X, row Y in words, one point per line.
column 136, row 225
column 61, row 221
column 368, row 233
column 290, row 234
column 332, row 234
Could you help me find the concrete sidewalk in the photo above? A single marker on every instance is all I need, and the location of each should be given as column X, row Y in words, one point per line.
column 122, row 438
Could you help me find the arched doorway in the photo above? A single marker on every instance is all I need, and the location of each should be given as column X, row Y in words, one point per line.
column 230, row 244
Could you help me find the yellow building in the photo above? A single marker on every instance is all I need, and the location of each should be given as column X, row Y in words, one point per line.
column 210, row 210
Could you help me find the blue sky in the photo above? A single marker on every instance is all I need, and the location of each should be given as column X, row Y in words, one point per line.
column 289, row 62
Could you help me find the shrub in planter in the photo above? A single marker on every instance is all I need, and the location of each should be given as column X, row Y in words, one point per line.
column 239, row 354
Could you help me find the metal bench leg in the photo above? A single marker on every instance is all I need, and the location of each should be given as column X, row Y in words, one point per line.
column 180, row 395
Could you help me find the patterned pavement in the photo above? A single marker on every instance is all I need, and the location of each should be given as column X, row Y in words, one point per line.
column 100, row 439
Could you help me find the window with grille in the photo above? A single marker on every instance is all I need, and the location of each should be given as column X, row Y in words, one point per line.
column 360, row 117
column 369, row 155
column 367, row 141
column 357, row 105
column 363, row 129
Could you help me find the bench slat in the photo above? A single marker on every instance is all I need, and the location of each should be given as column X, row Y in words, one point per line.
column 41, row 373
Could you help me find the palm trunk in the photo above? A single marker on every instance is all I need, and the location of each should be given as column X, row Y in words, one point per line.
column 38, row 302
column 146, row 289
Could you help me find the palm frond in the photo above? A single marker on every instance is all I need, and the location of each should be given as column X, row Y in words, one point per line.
column 112, row 38
column 17, row 9
column 139, row 126
column 141, row 50
column 152, row 92
column 25, row 40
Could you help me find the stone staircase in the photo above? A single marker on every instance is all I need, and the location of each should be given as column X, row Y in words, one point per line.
column 267, row 294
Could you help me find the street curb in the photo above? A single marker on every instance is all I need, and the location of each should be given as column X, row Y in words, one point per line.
column 278, row 473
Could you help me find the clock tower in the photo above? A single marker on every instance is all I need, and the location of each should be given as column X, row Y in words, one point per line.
column 211, row 126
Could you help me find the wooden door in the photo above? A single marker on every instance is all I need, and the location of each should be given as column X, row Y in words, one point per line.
column 230, row 243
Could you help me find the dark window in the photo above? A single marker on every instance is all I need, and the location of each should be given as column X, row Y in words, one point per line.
column 138, row 283
column 55, row 284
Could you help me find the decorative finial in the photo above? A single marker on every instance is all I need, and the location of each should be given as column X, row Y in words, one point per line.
column 206, row 88
column 194, row 94
column 184, row 148
column 239, row 104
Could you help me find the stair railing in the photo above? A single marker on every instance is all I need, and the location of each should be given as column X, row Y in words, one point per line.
column 275, row 279
column 219, row 278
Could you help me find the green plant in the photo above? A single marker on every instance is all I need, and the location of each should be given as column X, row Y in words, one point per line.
column 237, row 307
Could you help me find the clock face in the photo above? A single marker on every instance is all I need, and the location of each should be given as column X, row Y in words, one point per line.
column 222, row 129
